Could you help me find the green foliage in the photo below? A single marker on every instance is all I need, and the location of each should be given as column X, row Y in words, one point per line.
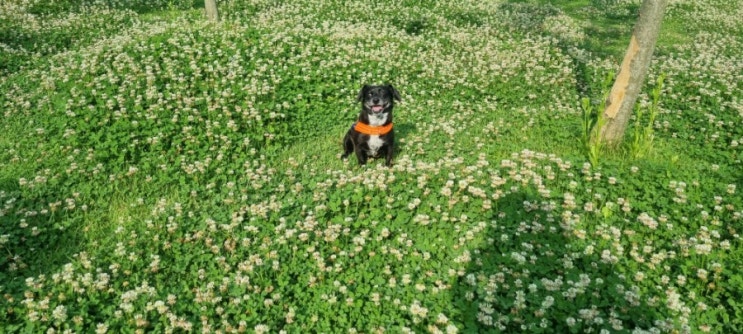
column 593, row 122
column 160, row 173
column 643, row 135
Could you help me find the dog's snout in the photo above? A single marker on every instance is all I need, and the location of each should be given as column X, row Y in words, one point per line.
column 375, row 100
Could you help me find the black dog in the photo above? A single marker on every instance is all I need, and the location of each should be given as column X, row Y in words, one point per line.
column 372, row 135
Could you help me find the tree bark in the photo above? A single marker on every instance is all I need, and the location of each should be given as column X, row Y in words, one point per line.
column 631, row 76
column 211, row 10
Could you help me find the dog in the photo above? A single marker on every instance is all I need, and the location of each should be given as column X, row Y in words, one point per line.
column 372, row 135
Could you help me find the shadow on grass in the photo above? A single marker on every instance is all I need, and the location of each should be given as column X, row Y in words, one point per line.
column 138, row 6
column 606, row 29
column 33, row 240
column 531, row 277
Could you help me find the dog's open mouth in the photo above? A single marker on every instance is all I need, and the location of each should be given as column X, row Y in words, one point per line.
column 377, row 108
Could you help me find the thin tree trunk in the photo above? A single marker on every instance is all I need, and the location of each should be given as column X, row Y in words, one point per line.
column 211, row 10
column 629, row 81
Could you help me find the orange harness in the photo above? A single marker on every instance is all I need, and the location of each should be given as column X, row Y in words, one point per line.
column 372, row 130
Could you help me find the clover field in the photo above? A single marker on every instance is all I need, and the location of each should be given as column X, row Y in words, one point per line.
column 161, row 173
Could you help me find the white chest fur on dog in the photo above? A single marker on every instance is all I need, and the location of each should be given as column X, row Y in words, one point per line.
column 374, row 144
column 378, row 120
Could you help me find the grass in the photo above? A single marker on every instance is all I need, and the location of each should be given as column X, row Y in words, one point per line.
column 159, row 173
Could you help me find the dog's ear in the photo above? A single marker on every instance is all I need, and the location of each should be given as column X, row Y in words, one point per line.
column 395, row 93
column 362, row 93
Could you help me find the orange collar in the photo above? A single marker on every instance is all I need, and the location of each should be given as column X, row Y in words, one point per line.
column 372, row 130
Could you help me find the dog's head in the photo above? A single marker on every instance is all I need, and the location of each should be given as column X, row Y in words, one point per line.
column 378, row 99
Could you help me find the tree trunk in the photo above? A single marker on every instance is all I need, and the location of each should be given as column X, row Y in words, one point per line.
column 211, row 10
column 631, row 77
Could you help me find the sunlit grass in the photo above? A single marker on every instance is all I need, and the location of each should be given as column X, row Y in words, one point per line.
column 168, row 174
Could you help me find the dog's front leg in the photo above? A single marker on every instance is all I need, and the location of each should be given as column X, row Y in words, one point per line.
column 347, row 146
column 388, row 155
column 360, row 155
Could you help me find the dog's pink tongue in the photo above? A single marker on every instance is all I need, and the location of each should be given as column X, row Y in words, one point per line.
column 376, row 108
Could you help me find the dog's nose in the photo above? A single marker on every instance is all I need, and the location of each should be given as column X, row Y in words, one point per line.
column 375, row 100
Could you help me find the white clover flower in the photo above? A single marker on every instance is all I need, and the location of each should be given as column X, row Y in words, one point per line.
column 648, row 221
column 101, row 328
column 702, row 274
column 548, row 302
column 261, row 329
column 441, row 319
column 703, row 249
column 60, row 313
column 417, row 310
column 518, row 257
column 673, row 300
